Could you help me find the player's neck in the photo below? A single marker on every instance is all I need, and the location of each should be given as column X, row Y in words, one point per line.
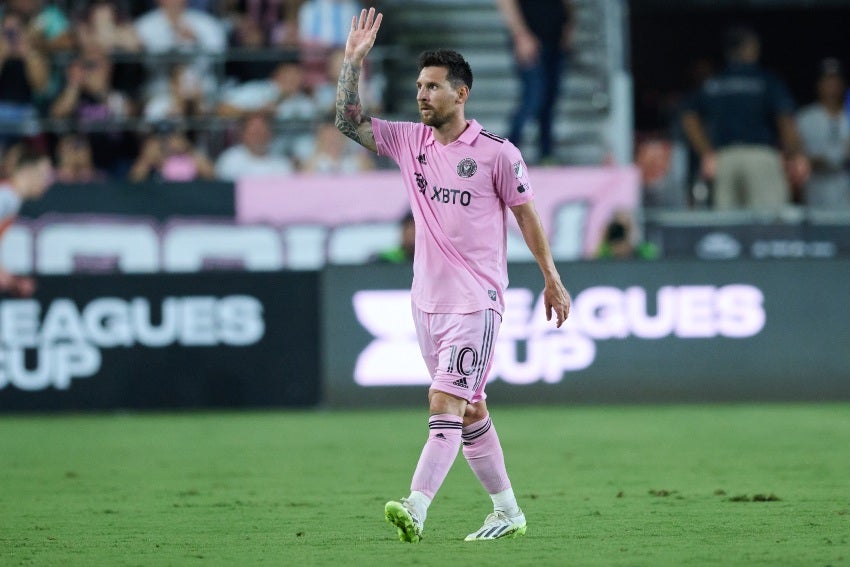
column 450, row 131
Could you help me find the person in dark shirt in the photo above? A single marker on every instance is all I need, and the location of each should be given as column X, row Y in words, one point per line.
column 540, row 32
column 24, row 74
column 737, row 121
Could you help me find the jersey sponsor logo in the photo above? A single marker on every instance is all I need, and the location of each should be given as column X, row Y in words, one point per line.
column 522, row 187
column 467, row 167
column 421, row 159
column 450, row 196
column 519, row 170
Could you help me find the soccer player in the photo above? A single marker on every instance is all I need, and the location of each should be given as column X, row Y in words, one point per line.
column 30, row 177
column 460, row 179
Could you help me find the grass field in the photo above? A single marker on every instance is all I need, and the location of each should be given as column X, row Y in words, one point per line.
column 666, row 485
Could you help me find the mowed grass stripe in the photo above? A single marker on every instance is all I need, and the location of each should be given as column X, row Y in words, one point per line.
column 608, row 485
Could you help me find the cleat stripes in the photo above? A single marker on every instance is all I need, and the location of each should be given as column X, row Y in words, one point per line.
column 499, row 526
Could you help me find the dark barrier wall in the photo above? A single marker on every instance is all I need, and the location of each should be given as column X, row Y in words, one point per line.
column 162, row 341
column 155, row 200
column 639, row 332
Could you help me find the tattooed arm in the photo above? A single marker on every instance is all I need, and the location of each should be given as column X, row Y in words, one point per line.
column 350, row 119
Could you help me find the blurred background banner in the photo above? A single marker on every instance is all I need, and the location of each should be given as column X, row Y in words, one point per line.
column 574, row 204
column 161, row 341
column 653, row 332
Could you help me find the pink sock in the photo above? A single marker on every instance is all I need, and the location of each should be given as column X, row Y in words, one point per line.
column 438, row 454
column 483, row 452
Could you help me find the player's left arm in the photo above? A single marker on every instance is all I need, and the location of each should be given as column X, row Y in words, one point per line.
column 555, row 295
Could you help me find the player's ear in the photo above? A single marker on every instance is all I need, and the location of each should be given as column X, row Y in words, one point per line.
column 462, row 94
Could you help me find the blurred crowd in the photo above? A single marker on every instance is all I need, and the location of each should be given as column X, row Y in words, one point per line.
column 177, row 89
column 738, row 140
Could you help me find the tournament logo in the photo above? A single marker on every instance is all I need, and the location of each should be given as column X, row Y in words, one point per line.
column 519, row 170
column 467, row 167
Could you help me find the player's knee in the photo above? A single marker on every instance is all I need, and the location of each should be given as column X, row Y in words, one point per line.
column 475, row 412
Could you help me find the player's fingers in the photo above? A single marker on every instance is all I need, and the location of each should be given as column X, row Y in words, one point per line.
column 362, row 21
column 377, row 25
column 370, row 18
column 548, row 311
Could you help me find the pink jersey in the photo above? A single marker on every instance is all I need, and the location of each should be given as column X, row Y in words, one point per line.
column 458, row 195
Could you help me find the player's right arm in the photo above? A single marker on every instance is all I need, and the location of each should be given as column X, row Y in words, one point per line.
column 350, row 119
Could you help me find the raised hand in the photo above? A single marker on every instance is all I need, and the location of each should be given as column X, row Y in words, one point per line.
column 361, row 38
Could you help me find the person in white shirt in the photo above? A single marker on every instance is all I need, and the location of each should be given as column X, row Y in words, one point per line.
column 825, row 132
column 282, row 94
column 253, row 156
column 175, row 27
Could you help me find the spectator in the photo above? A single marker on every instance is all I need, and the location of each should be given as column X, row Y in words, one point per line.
column 333, row 153
column 253, row 26
column 29, row 176
column 282, row 94
column 48, row 28
column 325, row 23
column 253, row 156
column 106, row 28
column 90, row 98
column 74, row 162
column 403, row 253
column 541, row 31
column 24, row 73
column 619, row 241
column 323, row 26
column 170, row 156
column 825, row 130
column 104, row 25
column 175, row 27
column 732, row 123
column 184, row 98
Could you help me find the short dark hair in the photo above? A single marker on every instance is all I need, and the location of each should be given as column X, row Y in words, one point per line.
column 459, row 72
column 736, row 37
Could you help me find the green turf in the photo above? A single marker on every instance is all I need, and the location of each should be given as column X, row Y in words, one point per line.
column 599, row 485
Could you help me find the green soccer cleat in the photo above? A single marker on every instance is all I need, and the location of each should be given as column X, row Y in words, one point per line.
column 499, row 526
column 403, row 517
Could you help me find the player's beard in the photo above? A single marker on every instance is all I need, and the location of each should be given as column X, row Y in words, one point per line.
column 435, row 120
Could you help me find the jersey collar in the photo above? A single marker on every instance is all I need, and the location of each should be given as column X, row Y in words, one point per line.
column 467, row 136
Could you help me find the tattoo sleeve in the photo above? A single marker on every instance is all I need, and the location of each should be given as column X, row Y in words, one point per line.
column 350, row 119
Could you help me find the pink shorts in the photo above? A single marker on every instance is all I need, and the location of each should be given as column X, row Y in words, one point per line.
column 458, row 350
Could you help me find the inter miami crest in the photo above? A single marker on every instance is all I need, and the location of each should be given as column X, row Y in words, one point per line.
column 467, row 167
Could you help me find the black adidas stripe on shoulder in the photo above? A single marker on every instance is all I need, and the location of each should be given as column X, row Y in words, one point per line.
column 493, row 136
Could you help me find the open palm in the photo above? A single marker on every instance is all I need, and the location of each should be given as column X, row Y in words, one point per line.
column 361, row 38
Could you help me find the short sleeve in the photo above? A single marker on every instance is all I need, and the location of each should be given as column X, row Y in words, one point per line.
column 391, row 137
column 510, row 177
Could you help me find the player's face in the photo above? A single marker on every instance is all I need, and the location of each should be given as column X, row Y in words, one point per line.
column 438, row 101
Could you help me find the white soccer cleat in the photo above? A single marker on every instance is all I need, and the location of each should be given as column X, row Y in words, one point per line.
column 403, row 516
column 499, row 525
